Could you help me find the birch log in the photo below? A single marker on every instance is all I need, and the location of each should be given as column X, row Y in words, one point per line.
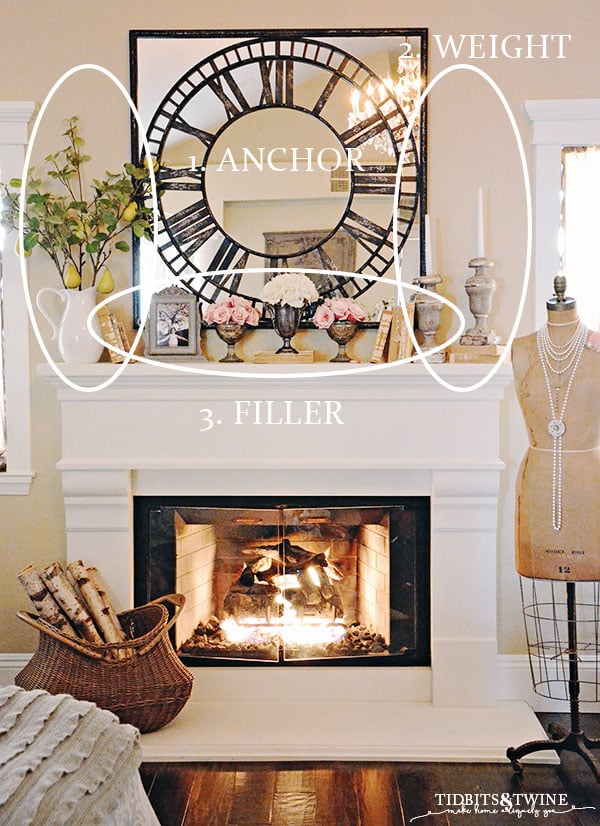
column 64, row 593
column 44, row 602
column 96, row 603
column 108, row 609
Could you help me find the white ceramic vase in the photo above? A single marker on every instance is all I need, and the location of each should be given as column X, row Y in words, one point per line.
column 69, row 323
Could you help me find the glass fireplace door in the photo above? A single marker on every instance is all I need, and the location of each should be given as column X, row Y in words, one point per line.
column 306, row 581
column 337, row 563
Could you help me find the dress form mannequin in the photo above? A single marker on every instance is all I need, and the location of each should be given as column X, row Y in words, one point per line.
column 558, row 488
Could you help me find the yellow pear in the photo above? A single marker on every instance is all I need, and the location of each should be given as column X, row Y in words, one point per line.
column 26, row 253
column 106, row 284
column 129, row 211
column 154, row 164
column 72, row 277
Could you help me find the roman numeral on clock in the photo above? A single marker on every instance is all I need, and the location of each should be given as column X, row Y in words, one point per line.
column 363, row 131
column 277, row 78
column 328, row 90
column 370, row 235
column 183, row 126
column 171, row 179
column 191, row 227
column 223, row 258
column 232, row 98
column 375, row 179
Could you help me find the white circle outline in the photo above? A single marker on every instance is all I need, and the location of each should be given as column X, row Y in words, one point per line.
column 22, row 201
column 527, row 266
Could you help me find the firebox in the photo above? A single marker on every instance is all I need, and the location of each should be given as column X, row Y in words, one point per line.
column 294, row 580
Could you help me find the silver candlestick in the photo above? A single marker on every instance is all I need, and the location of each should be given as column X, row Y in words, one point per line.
column 428, row 310
column 480, row 288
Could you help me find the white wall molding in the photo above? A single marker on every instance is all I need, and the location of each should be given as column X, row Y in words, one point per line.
column 514, row 684
column 14, row 119
column 555, row 123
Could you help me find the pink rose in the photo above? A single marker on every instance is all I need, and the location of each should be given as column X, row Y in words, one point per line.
column 239, row 314
column 323, row 317
column 253, row 316
column 221, row 314
column 339, row 307
column 356, row 312
column 594, row 342
column 238, row 301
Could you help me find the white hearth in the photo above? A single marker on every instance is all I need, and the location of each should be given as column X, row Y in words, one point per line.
column 397, row 433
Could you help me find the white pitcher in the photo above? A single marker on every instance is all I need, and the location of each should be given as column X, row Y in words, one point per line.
column 75, row 344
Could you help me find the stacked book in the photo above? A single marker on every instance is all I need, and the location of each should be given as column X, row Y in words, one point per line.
column 393, row 341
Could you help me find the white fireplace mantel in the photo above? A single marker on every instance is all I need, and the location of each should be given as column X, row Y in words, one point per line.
column 397, row 432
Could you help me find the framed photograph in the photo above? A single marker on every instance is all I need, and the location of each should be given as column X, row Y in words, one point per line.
column 173, row 324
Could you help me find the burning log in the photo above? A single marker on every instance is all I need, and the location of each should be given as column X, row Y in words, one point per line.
column 257, row 600
column 312, row 575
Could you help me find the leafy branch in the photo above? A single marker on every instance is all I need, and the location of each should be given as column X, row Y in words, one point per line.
column 78, row 233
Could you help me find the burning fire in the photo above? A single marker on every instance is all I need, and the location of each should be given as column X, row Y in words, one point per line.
column 291, row 630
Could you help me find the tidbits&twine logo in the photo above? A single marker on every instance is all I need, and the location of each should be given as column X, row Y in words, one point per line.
column 517, row 805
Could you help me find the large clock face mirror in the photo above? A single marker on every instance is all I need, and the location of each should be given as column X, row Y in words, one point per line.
column 281, row 149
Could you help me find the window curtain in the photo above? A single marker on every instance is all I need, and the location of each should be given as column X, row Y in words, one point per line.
column 580, row 244
column 2, row 418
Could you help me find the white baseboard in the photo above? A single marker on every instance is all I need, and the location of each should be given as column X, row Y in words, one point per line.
column 514, row 681
column 10, row 665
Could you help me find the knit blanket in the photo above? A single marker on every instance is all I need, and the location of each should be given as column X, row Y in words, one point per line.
column 65, row 762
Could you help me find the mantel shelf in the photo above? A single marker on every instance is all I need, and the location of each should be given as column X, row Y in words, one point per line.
column 410, row 381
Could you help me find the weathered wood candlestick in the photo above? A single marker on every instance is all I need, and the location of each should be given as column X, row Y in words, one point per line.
column 428, row 310
column 480, row 288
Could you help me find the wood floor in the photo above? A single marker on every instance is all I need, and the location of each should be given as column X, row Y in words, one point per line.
column 369, row 794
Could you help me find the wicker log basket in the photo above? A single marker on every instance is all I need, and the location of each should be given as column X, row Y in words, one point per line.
column 147, row 686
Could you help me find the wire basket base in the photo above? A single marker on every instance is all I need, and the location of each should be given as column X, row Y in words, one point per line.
column 547, row 627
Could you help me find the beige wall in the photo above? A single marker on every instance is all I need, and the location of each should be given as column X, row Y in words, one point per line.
column 470, row 145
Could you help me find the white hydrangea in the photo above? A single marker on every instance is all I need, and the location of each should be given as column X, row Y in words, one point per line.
column 291, row 288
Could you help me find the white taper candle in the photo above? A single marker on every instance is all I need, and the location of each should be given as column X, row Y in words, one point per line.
column 480, row 249
column 428, row 250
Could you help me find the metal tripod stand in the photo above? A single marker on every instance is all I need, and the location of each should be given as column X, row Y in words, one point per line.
column 575, row 739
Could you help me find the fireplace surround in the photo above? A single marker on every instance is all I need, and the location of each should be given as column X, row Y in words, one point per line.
column 401, row 435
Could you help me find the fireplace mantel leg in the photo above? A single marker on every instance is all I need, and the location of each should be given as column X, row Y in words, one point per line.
column 463, row 616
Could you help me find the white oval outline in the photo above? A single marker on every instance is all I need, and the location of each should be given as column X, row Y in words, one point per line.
column 279, row 375
column 525, row 171
column 22, row 200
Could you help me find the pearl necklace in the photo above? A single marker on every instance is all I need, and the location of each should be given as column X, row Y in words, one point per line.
column 572, row 352
column 562, row 323
column 564, row 354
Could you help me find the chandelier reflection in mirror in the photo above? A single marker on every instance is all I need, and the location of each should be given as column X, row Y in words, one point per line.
column 405, row 88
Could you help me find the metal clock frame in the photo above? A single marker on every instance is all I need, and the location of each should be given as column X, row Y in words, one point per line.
column 276, row 53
